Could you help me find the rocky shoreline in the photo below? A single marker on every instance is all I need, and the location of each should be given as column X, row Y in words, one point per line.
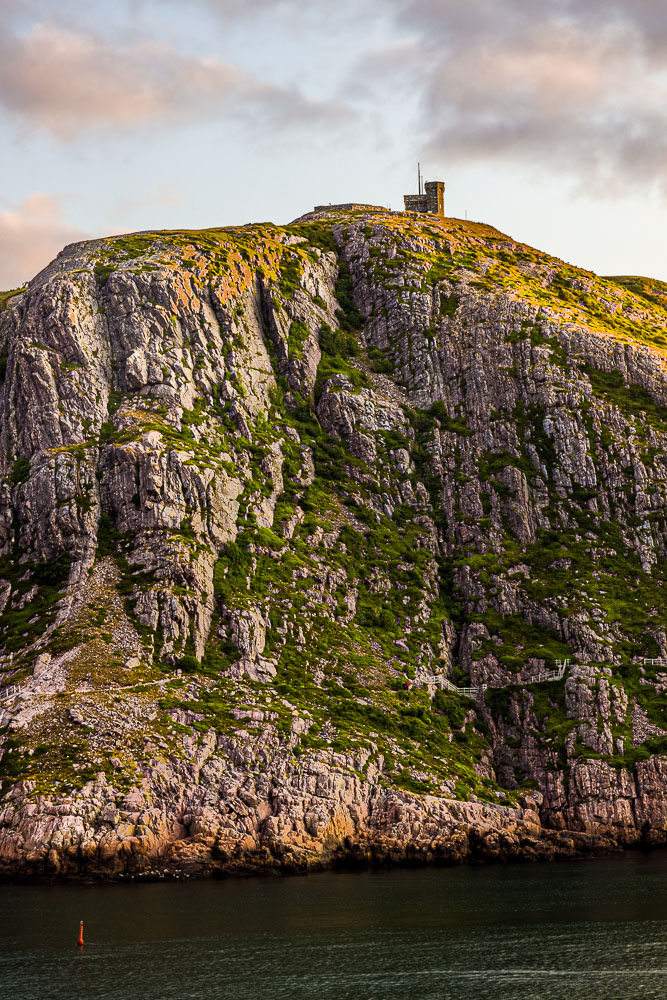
column 316, row 816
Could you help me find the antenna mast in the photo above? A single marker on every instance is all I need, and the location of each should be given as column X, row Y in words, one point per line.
column 419, row 178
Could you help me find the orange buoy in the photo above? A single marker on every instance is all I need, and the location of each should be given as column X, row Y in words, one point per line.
column 80, row 941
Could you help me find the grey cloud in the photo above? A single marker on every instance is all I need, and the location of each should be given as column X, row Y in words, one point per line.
column 574, row 86
column 250, row 8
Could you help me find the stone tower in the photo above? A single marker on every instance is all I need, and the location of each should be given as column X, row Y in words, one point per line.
column 431, row 200
column 435, row 197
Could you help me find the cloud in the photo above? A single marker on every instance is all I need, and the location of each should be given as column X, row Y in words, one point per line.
column 248, row 9
column 67, row 82
column 577, row 87
column 30, row 236
column 287, row 9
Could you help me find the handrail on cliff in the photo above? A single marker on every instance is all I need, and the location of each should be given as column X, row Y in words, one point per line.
column 439, row 680
column 9, row 691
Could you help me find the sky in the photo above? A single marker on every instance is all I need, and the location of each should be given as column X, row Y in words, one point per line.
column 545, row 118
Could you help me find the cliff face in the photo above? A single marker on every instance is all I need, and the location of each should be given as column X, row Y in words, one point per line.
column 253, row 479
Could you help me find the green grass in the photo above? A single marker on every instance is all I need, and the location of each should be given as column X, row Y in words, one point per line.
column 20, row 626
column 6, row 297
column 651, row 289
column 632, row 400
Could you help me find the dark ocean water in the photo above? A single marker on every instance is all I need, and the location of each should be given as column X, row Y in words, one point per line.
column 571, row 931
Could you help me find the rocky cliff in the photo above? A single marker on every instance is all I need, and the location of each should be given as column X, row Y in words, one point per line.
column 253, row 480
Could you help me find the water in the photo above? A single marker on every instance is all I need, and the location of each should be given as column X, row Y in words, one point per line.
column 576, row 930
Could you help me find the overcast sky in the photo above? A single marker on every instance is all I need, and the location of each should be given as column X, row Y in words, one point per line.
column 545, row 118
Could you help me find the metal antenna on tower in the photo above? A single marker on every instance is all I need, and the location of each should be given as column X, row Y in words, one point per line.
column 419, row 178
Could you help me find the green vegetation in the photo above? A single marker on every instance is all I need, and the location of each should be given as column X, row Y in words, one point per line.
column 317, row 234
column 648, row 288
column 632, row 400
column 349, row 317
column 20, row 471
column 36, row 589
column 6, row 297
column 298, row 334
column 520, row 641
column 337, row 348
column 290, row 274
column 376, row 567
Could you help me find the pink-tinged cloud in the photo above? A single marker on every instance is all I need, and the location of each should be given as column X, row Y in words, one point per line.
column 30, row 237
column 66, row 82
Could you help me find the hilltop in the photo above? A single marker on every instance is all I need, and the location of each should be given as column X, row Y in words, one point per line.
column 255, row 479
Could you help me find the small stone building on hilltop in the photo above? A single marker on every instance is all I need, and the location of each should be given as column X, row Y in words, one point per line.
column 431, row 200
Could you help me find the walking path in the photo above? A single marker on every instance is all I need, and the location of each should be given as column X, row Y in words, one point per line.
column 442, row 682
column 437, row 680
column 14, row 689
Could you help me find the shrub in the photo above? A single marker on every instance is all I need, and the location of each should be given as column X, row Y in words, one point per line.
column 20, row 471
column 337, row 343
column 53, row 573
column 348, row 315
column 189, row 663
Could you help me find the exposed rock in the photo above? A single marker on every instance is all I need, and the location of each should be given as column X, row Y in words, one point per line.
column 251, row 480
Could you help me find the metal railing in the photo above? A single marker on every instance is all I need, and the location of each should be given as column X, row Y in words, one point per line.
column 466, row 692
column 439, row 680
column 551, row 675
